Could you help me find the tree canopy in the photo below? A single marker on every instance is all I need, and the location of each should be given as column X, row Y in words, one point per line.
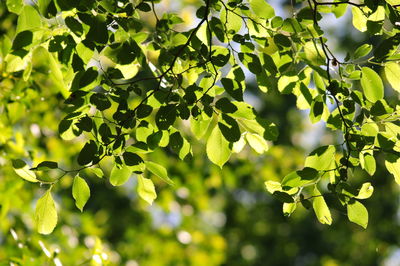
column 149, row 96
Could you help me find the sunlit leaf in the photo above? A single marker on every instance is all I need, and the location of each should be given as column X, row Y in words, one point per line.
column 46, row 214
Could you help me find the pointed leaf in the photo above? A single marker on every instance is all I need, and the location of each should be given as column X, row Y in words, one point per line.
column 321, row 209
column 365, row 191
column 258, row 143
column 218, row 148
column 357, row 213
column 80, row 192
column 119, row 175
column 146, row 190
column 159, row 171
column 322, row 158
column 46, row 214
column 23, row 170
column 372, row 84
column 392, row 71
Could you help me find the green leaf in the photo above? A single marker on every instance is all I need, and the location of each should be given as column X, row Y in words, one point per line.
column 392, row 71
column 23, row 170
column 199, row 125
column 43, row 4
column 372, row 84
column 80, row 192
column 29, row 19
column 87, row 153
column 159, row 171
column 120, row 175
column 218, row 148
column 258, row 143
column 289, row 208
column 300, row 178
column 321, row 209
column 392, row 163
column 359, row 20
column 23, row 38
column 97, row 171
column 366, row 191
column 98, row 32
column 46, row 214
column 322, row 158
column 146, row 190
column 74, row 25
column 46, row 165
column 362, row 51
column 15, row 6
column 368, row 163
column 262, row 9
column 100, row 101
column 357, row 213
column 314, row 53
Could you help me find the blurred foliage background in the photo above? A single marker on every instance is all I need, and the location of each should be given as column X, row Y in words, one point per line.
column 210, row 217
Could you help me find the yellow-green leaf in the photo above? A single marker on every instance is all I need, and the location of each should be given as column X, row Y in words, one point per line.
column 218, row 148
column 80, row 192
column 357, row 213
column 366, row 191
column 159, row 171
column 322, row 158
column 321, row 209
column 392, row 164
column 119, row 175
column 359, row 20
column 372, row 84
column 46, row 214
column 392, row 73
column 146, row 190
column 262, row 9
column 22, row 169
column 258, row 143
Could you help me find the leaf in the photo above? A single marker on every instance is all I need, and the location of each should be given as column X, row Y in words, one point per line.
column 262, row 9
column 87, row 153
column 322, row 158
column 120, row 175
column 314, row 53
column 289, row 208
column 15, row 6
column 100, row 101
column 321, row 209
column 362, row 51
column 29, row 19
column 80, row 192
column 258, row 143
column 300, row 178
column 392, row 163
column 368, row 163
column 97, row 171
column 372, row 84
column 359, row 20
column 366, row 191
column 23, row 38
column 357, row 213
column 392, row 71
column 46, row 165
column 159, row 171
column 146, row 190
column 23, row 170
column 218, row 148
column 46, row 214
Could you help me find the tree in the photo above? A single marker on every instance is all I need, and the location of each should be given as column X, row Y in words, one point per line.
column 124, row 81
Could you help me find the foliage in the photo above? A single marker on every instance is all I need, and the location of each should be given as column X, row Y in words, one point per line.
column 96, row 91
